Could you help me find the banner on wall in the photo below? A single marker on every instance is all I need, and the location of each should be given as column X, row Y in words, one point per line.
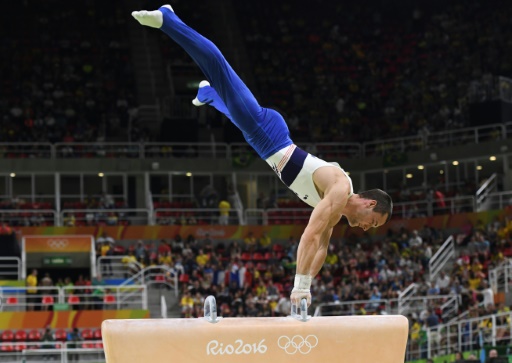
column 58, row 251
column 65, row 319
column 59, row 244
column 276, row 232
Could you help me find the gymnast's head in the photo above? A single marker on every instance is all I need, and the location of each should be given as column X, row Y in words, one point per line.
column 369, row 209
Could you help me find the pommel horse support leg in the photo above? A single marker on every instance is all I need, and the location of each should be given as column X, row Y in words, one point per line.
column 347, row 339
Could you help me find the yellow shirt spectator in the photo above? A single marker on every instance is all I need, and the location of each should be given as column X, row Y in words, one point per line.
column 474, row 283
column 415, row 331
column 224, row 208
column 128, row 259
column 104, row 249
column 260, row 289
column 265, row 240
column 31, row 282
column 187, row 301
column 165, row 259
column 250, row 240
column 331, row 259
column 202, row 259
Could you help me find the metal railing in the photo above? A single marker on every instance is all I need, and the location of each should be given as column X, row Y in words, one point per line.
column 118, row 267
column 499, row 200
column 482, row 193
column 29, row 217
column 56, row 351
column 468, row 334
column 500, row 277
column 443, row 255
column 328, row 151
column 10, row 268
column 77, row 297
column 114, row 217
column 428, row 208
column 188, row 216
column 187, row 150
column 15, row 150
column 405, row 298
column 161, row 274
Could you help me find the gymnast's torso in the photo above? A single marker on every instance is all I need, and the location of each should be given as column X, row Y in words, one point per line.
column 295, row 167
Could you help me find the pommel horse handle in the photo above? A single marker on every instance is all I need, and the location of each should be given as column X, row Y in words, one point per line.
column 210, row 310
column 303, row 316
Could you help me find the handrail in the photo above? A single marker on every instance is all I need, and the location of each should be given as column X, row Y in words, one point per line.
column 337, row 150
column 121, row 215
column 9, row 266
column 479, row 192
column 152, row 275
column 60, row 295
column 443, row 255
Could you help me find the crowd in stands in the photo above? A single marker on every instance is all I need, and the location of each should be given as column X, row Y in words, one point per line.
column 346, row 72
column 68, row 76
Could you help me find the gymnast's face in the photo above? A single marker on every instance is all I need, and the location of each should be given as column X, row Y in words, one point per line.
column 364, row 216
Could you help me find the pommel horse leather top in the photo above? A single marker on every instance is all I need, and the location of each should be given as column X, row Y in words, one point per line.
column 348, row 339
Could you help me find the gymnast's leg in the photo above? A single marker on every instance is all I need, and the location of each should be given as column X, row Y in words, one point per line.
column 241, row 103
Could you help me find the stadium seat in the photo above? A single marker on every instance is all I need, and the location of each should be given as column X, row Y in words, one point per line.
column 34, row 335
column 258, row 257
column 73, row 299
column 20, row 336
column 7, row 348
column 47, row 300
column 97, row 334
column 109, row 299
column 20, row 347
column 160, row 278
column 7, row 336
column 86, row 334
column 61, row 335
column 11, row 300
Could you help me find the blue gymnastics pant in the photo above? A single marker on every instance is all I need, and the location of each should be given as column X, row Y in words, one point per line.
column 263, row 128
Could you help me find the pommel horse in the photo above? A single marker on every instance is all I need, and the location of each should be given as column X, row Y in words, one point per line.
column 296, row 338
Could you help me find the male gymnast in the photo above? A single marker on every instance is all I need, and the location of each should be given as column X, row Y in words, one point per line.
column 324, row 186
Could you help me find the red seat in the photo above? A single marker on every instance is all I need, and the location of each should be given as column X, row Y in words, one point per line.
column 20, row 336
column 34, row 335
column 109, row 299
column 73, row 299
column 20, row 347
column 88, row 345
column 61, row 335
column 7, row 336
column 87, row 334
column 246, row 256
column 47, row 300
column 11, row 300
column 98, row 345
column 268, row 256
column 160, row 278
column 7, row 348
column 184, row 278
column 258, row 256
column 97, row 334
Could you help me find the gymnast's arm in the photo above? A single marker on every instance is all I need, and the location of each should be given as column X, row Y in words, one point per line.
column 315, row 239
column 321, row 254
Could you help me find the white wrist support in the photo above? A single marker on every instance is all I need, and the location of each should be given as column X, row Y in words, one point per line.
column 302, row 282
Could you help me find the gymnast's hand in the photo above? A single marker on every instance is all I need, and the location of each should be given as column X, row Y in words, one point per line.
column 299, row 294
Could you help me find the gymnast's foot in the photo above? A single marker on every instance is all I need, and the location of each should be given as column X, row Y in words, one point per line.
column 153, row 18
column 202, row 94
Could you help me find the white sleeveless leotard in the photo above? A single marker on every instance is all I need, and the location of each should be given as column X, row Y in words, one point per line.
column 295, row 168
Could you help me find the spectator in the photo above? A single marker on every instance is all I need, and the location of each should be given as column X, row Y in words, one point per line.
column 443, row 283
column 415, row 241
column 74, row 338
column 264, row 242
column 224, row 208
column 47, row 339
column 32, row 298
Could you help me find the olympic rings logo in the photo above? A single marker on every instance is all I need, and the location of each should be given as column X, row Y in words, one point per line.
column 297, row 344
column 57, row 243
